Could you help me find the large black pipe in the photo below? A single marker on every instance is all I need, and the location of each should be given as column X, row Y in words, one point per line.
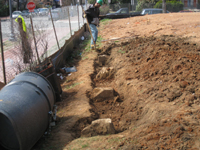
column 25, row 103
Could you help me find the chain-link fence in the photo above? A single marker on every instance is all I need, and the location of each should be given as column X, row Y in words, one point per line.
column 51, row 29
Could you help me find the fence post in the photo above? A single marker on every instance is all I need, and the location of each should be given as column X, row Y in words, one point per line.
column 82, row 13
column 34, row 39
column 2, row 55
column 78, row 17
column 12, row 36
column 54, row 28
column 69, row 20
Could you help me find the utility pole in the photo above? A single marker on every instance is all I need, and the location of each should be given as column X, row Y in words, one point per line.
column 164, row 6
column 12, row 36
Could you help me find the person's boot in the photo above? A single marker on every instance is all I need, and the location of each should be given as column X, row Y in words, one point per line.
column 92, row 47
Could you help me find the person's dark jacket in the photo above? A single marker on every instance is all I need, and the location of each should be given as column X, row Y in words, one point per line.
column 92, row 14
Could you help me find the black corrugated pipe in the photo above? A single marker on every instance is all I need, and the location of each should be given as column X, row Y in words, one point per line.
column 25, row 106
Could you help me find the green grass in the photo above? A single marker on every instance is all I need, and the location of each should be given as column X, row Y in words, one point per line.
column 84, row 58
column 73, row 85
column 86, row 44
column 85, row 145
column 121, row 51
column 105, row 21
column 99, row 39
column 134, row 129
column 116, row 140
column 95, row 138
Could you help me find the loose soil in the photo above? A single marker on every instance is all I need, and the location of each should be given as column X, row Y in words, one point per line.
column 156, row 59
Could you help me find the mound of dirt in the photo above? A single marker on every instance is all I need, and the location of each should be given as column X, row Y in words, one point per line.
column 157, row 78
column 156, row 103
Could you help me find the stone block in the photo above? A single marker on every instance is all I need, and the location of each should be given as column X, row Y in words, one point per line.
column 99, row 127
column 102, row 59
column 102, row 93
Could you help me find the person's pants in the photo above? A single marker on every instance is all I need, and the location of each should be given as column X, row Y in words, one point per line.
column 94, row 31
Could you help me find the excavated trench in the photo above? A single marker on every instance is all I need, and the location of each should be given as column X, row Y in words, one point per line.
column 148, row 75
column 106, row 106
column 155, row 82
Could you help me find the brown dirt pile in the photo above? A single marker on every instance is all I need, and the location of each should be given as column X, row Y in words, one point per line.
column 158, row 80
column 156, row 83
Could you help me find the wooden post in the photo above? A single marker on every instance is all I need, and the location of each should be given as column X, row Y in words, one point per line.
column 2, row 55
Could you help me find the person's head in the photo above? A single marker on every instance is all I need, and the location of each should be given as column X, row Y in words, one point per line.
column 98, row 3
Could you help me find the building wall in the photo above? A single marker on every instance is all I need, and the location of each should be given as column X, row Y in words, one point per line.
column 190, row 3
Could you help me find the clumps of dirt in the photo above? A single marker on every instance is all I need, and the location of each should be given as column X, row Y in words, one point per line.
column 82, row 123
column 105, row 73
column 107, row 48
column 157, row 79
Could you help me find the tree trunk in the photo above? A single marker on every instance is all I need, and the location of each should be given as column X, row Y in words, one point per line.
column 25, row 3
column 164, row 6
column 26, row 48
column 17, row 5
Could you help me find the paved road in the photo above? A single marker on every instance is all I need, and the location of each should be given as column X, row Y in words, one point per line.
column 41, row 22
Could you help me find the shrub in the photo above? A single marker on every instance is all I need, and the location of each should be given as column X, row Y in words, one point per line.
column 104, row 9
column 172, row 6
column 4, row 9
column 142, row 4
column 91, row 1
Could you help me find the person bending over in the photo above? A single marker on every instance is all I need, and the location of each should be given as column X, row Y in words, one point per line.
column 92, row 14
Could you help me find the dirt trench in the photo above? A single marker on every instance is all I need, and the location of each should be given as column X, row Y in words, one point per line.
column 156, row 83
column 156, row 96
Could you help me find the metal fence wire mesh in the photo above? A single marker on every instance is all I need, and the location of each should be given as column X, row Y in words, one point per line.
column 51, row 30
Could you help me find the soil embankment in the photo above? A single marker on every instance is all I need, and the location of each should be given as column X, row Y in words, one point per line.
column 156, row 83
